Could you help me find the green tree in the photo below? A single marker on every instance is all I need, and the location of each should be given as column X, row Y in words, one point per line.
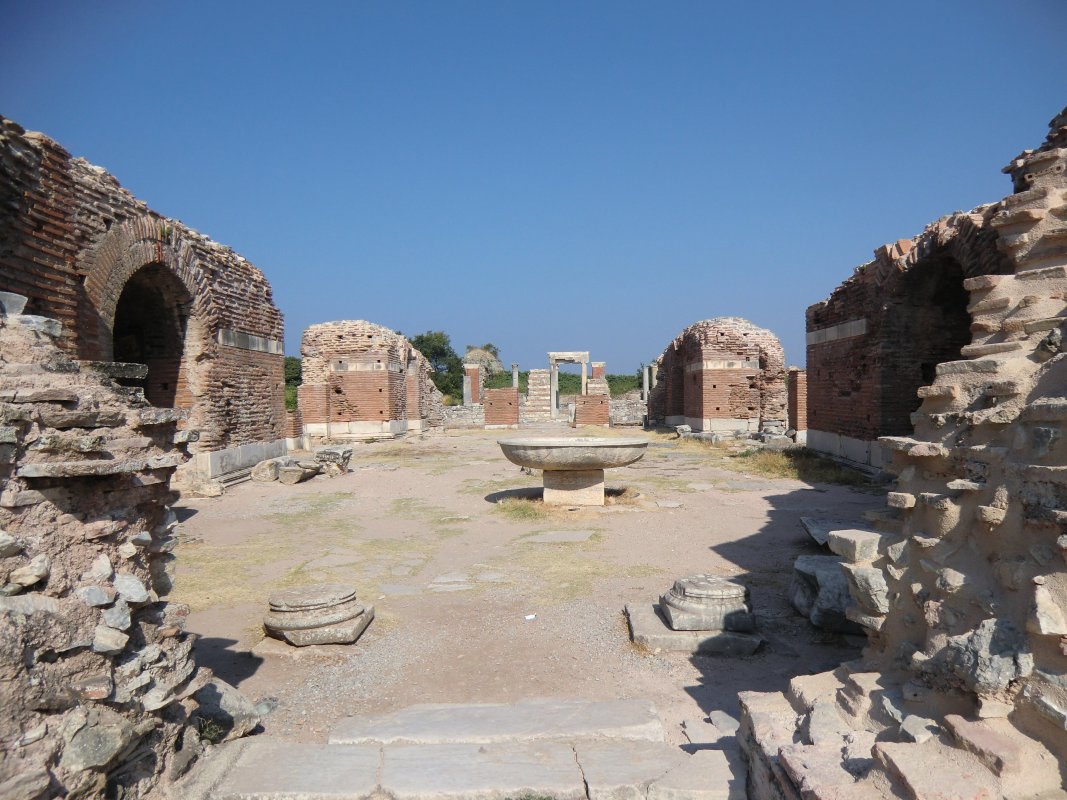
column 447, row 367
column 293, row 371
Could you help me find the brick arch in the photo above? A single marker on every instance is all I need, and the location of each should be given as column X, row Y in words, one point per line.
column 127, row 248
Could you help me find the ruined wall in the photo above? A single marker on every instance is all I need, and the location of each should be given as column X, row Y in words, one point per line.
column 130, row 284
column 360, row 377
column 881, row 334
column 798, row 401
column 99, row 689
column 963, row 594
column 721, row 374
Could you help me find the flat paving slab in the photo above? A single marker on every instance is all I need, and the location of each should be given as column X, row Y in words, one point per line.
column 537, row 719
column 497, row 771
column 557, row 537
column 275, row 769
column 624, row 770
column 649, row 629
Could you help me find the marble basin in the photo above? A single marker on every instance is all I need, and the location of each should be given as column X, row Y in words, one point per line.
column 578, row 453
column 573, row 469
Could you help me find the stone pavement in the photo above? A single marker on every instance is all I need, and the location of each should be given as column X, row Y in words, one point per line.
column 545, row 748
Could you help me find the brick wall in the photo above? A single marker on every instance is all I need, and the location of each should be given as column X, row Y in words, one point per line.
column 592, row 410
column 86, row 252
column 881, row 333
column 501, row 406
column 538, row 406
column 798, row 399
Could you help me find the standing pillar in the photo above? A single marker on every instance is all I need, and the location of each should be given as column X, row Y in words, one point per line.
column 585, row 379
column 554, row 388
column 644, row 383
column 514, row 376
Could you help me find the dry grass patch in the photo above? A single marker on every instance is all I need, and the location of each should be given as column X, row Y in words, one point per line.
column 795, row 463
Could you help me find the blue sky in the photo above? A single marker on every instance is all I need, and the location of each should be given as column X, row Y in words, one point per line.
column 545, row 175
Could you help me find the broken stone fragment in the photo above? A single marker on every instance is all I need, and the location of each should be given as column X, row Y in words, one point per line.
column 34, row 572
column 990, row 515
column 130, row 588
column 266, row 471
column 1046, row 617
column 101, row 736
column 95, row 596
column 10, row 545
column 108, row 641
column 899, row 500
column 118, row 616
column 868, row 587
column 917, row 729
column 233, row 714
column 99, row 570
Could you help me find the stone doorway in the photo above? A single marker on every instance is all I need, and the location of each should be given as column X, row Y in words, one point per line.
column 152, row 328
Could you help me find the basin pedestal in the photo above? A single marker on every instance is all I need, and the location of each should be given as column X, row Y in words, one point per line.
column 573, row 467
column 578, row 487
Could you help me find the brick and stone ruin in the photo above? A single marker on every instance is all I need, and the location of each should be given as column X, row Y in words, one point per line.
column 100, row 694
column 363, row 381
column 132, row 286
column 723, row 374
column 961, row 690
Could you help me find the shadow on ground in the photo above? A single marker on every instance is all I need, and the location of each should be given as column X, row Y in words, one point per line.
column 218, row 655
column 792, row 645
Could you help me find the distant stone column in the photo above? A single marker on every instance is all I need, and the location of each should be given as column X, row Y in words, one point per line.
column 554, row 388
column 644, row 383
column 514, row 376
column 585, row 378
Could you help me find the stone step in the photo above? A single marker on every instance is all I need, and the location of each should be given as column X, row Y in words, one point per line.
column 528, row 720
column 934, row 770
column 819, row 529
column 273, row 769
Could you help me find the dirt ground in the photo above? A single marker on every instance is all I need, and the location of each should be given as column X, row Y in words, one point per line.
column 418, row 528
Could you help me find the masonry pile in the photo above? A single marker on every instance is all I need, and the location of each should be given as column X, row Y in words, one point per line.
column 100, row 693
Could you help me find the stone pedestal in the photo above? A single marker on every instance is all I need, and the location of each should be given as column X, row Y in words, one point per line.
column 699, row 614
column 574, row 487
column 326, row 613
column 707, row 603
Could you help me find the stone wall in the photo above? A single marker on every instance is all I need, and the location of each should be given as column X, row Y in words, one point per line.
column 129, row 284
column 721, row 374
column 362, row 378
column 964, row 593
column 627, row 411
column 100, row 692
column 464, row 416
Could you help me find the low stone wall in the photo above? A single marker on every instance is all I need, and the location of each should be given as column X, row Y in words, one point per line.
column 628, row 411
column 464, row 416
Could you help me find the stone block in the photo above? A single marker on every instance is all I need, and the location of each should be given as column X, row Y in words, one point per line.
column 819, row 591
column 855, row 544
column 581, row 487
column 705, row 775
column 271, row 769
column 648, row 628
column 623, row 770
column 485, row 723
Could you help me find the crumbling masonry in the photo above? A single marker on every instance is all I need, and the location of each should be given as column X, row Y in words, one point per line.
column 130, row 285
column 722, row 374
column 961, row 691
column 100, row 694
